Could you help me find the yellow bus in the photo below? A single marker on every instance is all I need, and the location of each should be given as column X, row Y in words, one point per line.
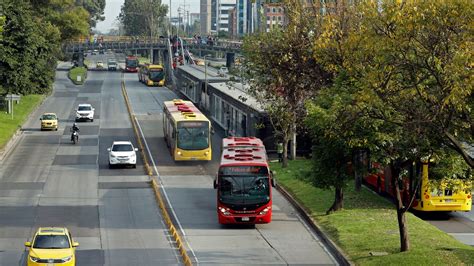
column 187, row 131
column 427, row 198
column 152, row 75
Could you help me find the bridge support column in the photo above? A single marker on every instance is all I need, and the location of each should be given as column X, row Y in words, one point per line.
column 78, row 59
column 230, row 60
column 155, row 58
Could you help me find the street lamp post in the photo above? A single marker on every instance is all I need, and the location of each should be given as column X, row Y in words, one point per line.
column 205, row 77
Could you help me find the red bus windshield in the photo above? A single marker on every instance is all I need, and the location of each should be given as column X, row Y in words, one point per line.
column 244, row 185
column 131, row 62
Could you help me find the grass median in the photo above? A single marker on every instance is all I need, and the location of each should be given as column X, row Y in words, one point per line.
column 76, row 72
column 368, row 223
column 21, row 111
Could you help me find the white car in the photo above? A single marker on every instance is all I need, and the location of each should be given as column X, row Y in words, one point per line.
column 122, row 153
column 85, row 111
column 222, row 71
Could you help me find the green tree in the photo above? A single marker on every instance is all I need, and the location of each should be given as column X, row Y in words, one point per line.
column 282, row 71
column 95, row 9
column 143, row 17
column 27, row 50
column 2, row 22
column 71, row 20
column 410, row 66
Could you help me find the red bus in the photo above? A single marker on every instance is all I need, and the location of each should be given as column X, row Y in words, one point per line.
column 131, row 64
column 244, row 195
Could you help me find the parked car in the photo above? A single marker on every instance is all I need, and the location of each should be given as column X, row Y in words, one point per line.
column 99, row 64
column 52, row 246
column 85, row 111
column 122, row 153
column 49, row 121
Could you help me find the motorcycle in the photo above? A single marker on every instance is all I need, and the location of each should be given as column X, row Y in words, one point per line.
column 74, row 136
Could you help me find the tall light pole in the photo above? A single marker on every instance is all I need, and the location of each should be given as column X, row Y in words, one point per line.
column 171, row 26
column 205, row 77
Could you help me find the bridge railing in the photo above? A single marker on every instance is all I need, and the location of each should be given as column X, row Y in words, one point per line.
column 127, row 42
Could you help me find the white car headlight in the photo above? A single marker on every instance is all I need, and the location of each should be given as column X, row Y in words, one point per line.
column 113, row 156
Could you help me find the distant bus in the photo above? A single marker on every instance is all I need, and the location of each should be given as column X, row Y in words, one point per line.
column 187, row 131
column 243, row 183
column 131, row 64
column 151, row 75
column 426, row 198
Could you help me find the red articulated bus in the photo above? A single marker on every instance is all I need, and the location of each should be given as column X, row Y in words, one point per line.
column 131, row 64
column 244, row 195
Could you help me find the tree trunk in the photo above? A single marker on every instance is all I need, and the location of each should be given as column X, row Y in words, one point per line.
column 293, row 142
column 356, row 158
column 401, row 211
column 338, row 201
column 284, row 161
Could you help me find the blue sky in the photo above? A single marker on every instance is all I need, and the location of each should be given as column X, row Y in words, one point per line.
column 112, row 9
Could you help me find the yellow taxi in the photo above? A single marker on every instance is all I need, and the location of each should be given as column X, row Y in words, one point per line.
column 52, row 246
column 49, row 121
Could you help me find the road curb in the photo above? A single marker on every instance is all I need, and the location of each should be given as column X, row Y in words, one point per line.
column 159, row 199
column 339, row 255
column 11, row 144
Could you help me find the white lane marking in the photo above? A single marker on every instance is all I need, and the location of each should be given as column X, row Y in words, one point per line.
column 164, row 191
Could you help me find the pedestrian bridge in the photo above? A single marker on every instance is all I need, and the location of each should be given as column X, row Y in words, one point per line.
column 128, row 43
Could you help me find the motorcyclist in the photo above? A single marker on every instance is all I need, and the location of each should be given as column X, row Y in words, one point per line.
column 74, row 128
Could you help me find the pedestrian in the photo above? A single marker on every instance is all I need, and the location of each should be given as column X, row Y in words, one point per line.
column 280, row 151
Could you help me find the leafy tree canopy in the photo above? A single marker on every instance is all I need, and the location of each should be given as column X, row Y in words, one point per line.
column 282, row 71
column 95, row 9
column 143, row 17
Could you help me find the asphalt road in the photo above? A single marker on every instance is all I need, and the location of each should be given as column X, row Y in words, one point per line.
column 459, row 225
column 188, row 185
column 48, row 181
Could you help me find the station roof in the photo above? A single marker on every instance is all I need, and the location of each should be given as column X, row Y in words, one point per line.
column 198, row 72
column 238, row 92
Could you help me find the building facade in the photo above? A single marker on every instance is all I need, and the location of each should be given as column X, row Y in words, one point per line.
column 274, row 14
column 232, row 28
column 205, row 17
column 220, row 15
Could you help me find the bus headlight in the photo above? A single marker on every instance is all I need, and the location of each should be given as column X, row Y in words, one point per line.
column 265, row 211
column 179, row 153
column 224, row 211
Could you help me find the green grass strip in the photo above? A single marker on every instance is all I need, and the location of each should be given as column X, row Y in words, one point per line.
column 21, row 111
column 368, row 223
column 78, row 71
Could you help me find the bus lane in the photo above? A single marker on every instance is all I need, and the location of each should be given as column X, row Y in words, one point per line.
column 188, row 186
